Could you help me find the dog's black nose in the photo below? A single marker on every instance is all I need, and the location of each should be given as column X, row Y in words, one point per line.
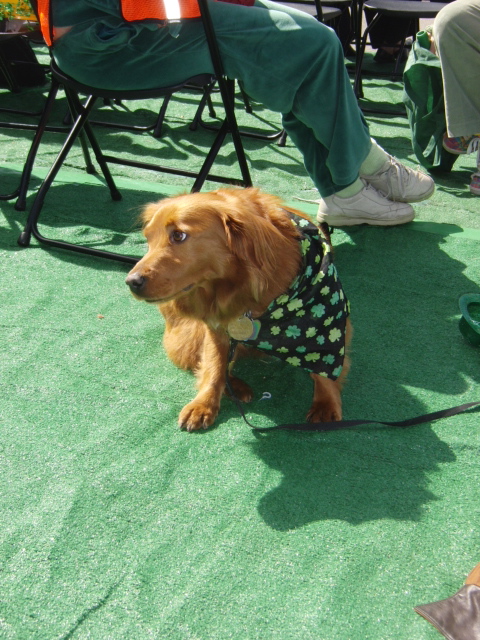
column 135, row 281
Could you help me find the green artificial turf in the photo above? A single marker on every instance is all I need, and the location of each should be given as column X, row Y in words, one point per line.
column 117, row 525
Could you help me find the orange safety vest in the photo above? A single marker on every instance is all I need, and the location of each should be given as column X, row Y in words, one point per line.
column 132, row 11
column 43, row 10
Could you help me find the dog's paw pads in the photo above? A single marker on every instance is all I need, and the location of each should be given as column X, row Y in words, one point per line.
column 196, row 416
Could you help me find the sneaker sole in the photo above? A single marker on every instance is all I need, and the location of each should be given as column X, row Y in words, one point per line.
column 454, row 152
column 344, row 221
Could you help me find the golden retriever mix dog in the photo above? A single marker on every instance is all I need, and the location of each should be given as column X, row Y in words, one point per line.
column 234, row 264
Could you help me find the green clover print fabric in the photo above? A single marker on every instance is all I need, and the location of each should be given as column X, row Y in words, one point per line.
column 306, row 325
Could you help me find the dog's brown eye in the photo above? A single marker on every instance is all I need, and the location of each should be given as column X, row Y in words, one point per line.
column 178, row 236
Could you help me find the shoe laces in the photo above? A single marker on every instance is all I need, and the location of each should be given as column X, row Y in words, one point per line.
column 474, row 145
column 376, row 192
column 397, row 174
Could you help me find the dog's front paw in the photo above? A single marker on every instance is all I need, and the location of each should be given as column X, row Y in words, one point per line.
column 325, row 411
column 197, row 415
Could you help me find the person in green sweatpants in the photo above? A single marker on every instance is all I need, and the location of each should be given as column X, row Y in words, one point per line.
column 284, row 59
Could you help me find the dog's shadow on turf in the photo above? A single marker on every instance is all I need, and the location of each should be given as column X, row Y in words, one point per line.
column 408, row 358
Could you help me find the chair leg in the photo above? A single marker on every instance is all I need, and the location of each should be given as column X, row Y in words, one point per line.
column 211, row 108
column 20, row 204
column 227, row 90
column 229, row 125
column 31, row 227
column 357, row 85
column 206, row 100
column 83, row 112
column 246, row 100
column 354, row 7
column 413, row 25
column 74, row 109
column 209, row 160
column 32, row 220
column 21, row 192
column 157, row 132
column 9, row 77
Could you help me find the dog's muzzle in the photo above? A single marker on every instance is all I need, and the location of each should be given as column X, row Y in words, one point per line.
column 136, row 282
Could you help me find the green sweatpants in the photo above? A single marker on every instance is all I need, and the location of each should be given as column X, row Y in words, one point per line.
column 284, row 59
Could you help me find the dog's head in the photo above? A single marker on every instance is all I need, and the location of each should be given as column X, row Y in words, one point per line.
column 204, row 237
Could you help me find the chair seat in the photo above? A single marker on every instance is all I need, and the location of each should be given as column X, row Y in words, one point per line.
column 127, row 94
column 405, row 8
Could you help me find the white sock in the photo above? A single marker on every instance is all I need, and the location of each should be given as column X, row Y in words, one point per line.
column 351, row 190
column 374, row 161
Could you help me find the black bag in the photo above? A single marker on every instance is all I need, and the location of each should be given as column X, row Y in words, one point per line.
column 19, row 66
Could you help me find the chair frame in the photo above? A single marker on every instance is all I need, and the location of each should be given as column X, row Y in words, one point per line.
column 15, row 88
column 315, row 8
column 82, row 128
column 21, row 191
column 412, row 9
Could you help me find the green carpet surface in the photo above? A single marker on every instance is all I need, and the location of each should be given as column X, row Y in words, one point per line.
column 117, row 525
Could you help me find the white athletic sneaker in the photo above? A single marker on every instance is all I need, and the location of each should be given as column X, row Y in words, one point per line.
column 399, row 183
column 366, row 207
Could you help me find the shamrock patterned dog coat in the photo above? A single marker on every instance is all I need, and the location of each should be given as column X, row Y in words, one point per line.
column 306, row 325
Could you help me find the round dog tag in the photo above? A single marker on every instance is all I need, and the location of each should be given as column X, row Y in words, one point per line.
column 241, row 328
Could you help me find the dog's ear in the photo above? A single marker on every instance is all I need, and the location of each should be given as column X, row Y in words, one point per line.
column 250, row 240
column 148, row 213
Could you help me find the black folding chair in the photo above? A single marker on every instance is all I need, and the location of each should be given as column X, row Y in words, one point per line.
column 33, row 74
column 38, row 73
column 414, row 10
column 82, row 111
column 326, row 13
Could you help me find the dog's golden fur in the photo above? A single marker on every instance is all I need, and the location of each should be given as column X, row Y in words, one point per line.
column 211, row 258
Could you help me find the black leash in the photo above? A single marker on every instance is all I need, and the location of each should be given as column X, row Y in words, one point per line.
column 346, row 424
